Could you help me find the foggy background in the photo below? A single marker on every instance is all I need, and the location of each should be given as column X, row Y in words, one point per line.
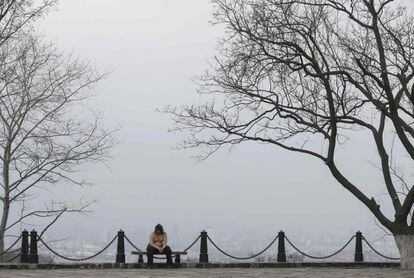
column 153, row 49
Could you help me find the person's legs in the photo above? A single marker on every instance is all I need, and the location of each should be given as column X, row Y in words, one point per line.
column 150, row 255
column 167, row 252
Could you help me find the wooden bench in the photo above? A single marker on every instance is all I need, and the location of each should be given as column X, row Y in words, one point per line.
column 176, row 254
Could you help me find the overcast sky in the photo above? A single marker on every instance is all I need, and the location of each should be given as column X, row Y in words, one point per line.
column 154, row 48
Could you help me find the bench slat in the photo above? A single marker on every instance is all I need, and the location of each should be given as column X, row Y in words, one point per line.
column 145, row 253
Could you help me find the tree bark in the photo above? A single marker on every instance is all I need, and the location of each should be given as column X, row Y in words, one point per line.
column 3, row 224
column 405, row 244
column 6, row 198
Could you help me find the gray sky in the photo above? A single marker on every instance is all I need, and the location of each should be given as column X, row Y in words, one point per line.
column 154, row 48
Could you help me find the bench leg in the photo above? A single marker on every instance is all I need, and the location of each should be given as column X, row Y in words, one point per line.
column 177, row 259
column 140, row 259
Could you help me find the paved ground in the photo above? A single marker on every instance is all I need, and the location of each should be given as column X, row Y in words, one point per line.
column 216, row 272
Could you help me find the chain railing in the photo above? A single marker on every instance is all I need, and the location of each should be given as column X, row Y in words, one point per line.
column 281, row 255
column 11, row 246
column 133, row 245
column 31, row 256
column 378, row 253
column 192, row 244
column 321, row 257
column 242, row 258
column 77, row 259
column 15, row 257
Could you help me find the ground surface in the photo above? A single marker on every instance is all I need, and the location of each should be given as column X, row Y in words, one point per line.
column 212, row 272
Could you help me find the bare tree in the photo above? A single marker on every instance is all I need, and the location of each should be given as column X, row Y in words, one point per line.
column 16, row 15
column 46, row 130
column 304, row 74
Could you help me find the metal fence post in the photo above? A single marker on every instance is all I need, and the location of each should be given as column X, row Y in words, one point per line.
column 24, row 255
column 359, row 257
column 203, row 248
column 281, row 251
column 120, row 250
column 33, row 256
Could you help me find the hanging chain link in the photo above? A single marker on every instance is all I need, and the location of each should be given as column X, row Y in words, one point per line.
column 378, row 253
column 75, row 259
column 322, row 257
column 242, row 258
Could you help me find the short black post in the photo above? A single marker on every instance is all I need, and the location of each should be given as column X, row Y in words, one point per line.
column 281, row 251
column 24, row 255
column 120, row 250
column 33, row 256
column 177, row 259
column 359, row 257
column 203, row 248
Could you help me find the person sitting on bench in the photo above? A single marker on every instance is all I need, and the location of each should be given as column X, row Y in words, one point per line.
column 158, row 245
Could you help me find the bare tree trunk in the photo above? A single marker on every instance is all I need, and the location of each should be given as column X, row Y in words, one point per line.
column 4, row 219
column 6, row 198
column 3, row 224
column 405, row 244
